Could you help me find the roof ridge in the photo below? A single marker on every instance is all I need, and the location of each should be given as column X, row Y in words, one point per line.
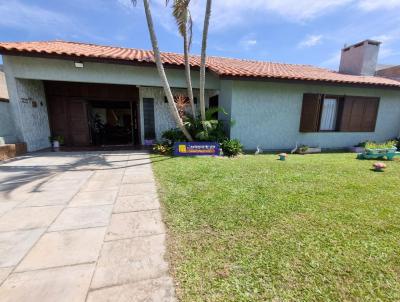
column 173, row 53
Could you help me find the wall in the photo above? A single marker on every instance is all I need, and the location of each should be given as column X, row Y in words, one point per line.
column 7, row 127
column 225, row 98
column 34, row 120
column 65, row 70
column 268, row 115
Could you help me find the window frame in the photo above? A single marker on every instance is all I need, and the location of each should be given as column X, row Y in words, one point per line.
column 341, row 102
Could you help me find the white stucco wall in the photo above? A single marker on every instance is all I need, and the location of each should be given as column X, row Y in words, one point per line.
column 7, row 126
column 34, row 120
column 65, row 70
column 268, row 115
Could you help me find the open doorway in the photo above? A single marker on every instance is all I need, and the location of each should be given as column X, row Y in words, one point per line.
column 111, row 123
column 88, row 114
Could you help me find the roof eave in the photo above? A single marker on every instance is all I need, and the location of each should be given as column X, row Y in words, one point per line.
column 309, row 81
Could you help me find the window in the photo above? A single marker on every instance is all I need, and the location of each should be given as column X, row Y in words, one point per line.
column 148, row 119
column 338, row 113
column 329, row 114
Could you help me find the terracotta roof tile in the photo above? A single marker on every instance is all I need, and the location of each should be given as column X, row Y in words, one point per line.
column 220, row 65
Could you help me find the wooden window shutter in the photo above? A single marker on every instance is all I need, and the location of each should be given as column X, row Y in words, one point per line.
column 359, row 114
column 310, row 112
column 370, row 114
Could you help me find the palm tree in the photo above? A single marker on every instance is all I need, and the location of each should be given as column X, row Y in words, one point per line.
column 203, row 60
column 183, row 18
column 161, row 71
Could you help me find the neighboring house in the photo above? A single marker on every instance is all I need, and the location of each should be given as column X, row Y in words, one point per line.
column 68, row 88
column 391, row 72
column 7, row 128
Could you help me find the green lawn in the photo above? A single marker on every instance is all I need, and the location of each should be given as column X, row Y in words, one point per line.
column 314, row 228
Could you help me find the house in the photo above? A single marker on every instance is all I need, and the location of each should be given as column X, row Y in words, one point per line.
column 79, row 90
column 7, row 128
column 390, row 71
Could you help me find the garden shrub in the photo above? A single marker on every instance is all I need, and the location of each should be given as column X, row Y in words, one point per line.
column 163, row 148
column 231, row 147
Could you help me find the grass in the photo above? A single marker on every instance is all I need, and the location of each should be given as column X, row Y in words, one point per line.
column 318, row 227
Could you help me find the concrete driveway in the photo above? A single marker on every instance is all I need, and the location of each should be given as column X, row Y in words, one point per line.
column 81, row 226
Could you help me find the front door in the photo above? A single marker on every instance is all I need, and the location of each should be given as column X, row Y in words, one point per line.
column 68, row 118
column 78, row 123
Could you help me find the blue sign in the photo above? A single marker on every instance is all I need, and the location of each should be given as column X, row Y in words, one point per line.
column 196, row 148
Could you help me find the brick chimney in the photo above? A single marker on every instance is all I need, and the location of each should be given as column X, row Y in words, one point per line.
column 360, row 58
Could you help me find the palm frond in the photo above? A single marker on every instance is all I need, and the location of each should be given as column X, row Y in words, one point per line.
column 134, row 2
column 183, row 18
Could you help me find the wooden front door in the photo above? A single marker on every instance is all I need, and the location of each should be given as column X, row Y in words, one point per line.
column 69, row 119
column 78, row 123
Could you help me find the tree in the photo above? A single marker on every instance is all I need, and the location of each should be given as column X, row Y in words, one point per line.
column 203, row 60
column 183, row 19
column 161, row 71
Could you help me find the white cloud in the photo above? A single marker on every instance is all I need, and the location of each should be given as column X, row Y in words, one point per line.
column 248, row 43
column 371, row 5
column 237, row 12
column 18, row 15
column 310, row 41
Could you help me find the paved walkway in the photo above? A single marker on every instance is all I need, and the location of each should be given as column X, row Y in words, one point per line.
column 81, row 226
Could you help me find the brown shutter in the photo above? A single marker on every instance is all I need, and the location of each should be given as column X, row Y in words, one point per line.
column 370, row 114
column 359, row 114
column 310, row 112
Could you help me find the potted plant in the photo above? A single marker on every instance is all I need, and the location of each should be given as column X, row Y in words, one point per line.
column 282, row 156
column 56, row 142
column 380, row 148
column 379, row 167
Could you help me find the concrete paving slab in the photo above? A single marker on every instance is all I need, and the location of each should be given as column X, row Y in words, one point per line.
column 60, row 185
column 137, row 178
column 130, row 260
column 134, row 224
column 7, row 206
column 136, row 203
column 137, row 189
column 153, row 290
column 48, row 198
column 64, row 248
column 57, row 209
column 101, row 185
column 4, row 272
column 64, row 284
column 93, row 198
column 82, row 217
column 15, row 245
column 28, row 218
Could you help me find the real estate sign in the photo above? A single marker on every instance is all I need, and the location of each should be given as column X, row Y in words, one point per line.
column 196, row 148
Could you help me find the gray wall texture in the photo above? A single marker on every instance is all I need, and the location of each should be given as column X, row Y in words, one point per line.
column 268, row 115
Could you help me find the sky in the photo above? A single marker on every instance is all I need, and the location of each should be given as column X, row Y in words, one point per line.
column 289, row 31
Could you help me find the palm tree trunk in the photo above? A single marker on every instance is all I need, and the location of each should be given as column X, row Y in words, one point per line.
column 161, row 72
column 203, row 60
column 187, row 74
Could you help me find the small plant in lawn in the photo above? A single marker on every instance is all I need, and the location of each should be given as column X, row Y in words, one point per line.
column 231, row 147
column 163, row 148
column 303, row 148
